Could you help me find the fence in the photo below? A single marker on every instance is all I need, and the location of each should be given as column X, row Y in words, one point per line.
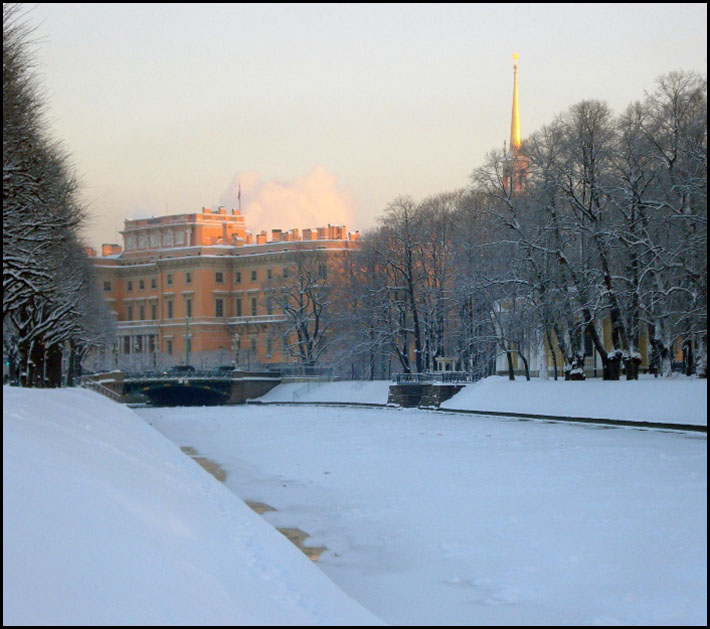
column 100, row 388
column 446, row 377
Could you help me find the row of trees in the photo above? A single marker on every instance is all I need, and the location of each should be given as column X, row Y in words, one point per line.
column 610, row 226
column 51, row 304
column 613, row 224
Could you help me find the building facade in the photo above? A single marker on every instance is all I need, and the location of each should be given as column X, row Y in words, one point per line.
column 197, row 289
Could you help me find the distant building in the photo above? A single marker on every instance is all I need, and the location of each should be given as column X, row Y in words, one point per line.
column 193, row 287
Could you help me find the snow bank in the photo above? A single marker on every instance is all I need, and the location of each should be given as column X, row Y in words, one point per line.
column 671, row 400
column 106, row 522
column 678, row 400
column 348, row 391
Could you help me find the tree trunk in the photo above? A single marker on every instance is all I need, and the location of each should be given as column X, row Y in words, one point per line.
column 525, row 362
column 612, row 369
column 511, row 371
column 552, row 352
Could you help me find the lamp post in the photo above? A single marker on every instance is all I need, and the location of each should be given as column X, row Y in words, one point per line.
column 187, row 341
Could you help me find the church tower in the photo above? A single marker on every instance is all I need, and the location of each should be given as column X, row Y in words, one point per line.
column 516, row 136
column 515, row 163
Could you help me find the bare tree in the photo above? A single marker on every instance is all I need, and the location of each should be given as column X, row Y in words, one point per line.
column 305, row 297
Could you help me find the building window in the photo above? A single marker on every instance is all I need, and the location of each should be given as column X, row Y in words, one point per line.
column 141, row 284
column 107, row 286
column 219, row 277
column 253, row 275
column 322, row 271
column 269, row 274
column 188, row 307
column 269, row 346
column 169, row 346
column 126, row 344
column 153, row 283
column 188, row 277
column 238, row 307
column 151, row 343
column 129, row 313
column 218, row 307
column 238, row 277
column 129, row 285
column 169, row 304
column 139, row 344
column 284, row 273
column 253, row 306
column 252, row 342
column 153, row 312
column 269, row 306
column 141, row 311
column 169, row 279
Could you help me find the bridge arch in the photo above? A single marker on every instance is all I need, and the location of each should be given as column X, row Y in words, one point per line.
column 192, row 394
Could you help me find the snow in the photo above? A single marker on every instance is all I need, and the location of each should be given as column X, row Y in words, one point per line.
column 428, row 517
column 444, row 519
column 348, row 391
column 667, row 400
column 106, row 522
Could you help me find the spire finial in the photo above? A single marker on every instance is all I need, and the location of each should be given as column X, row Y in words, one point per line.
column 516, row 137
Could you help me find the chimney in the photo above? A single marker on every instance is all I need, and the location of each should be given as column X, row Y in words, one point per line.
column 108, row 249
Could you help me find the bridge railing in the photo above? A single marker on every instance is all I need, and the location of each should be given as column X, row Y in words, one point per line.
column 157, row 374
column 431, row 377
column 201, row 374
column 100, row 388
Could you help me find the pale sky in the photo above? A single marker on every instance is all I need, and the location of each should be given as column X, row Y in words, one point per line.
column 325, row 112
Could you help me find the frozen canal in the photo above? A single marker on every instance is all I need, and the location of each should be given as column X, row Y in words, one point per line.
column 434, row 519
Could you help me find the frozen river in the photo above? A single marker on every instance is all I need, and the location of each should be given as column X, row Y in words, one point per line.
column 433, row 519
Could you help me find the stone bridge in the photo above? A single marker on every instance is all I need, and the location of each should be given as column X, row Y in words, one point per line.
column 184, row 388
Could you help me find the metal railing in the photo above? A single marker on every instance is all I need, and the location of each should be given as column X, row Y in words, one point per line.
column 220, row 373
column 167, row 374
column 431, row 377
column 100, row 388
column 296, row 371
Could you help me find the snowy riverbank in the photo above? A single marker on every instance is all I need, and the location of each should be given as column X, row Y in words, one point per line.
column 677, row 400
column 106, row 522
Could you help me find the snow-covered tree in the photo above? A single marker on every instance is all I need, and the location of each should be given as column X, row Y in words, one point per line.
column 48, row 285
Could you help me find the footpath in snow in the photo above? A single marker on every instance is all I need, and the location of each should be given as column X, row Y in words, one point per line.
column 106, row 522
column 677, row 400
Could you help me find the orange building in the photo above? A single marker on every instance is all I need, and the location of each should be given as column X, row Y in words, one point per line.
column 192, row 288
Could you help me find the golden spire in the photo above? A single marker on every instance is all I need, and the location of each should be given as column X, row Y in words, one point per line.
column 516, row 136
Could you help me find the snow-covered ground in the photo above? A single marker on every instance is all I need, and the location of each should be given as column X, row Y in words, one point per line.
column 349, row 391
column 106, row 522
column 678, row 400
column 428, row 517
